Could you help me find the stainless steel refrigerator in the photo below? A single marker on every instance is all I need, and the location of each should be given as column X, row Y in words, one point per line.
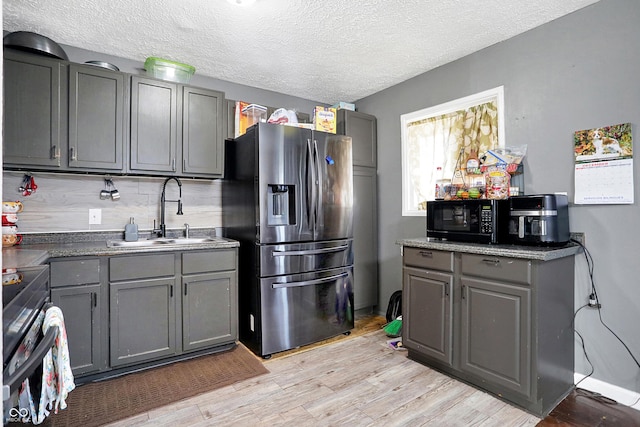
column 287, row 197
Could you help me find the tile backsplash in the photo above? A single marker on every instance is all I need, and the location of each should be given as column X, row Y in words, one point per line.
column 61, row 202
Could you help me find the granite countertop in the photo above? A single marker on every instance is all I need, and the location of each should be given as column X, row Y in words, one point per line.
column 513, row 251
column 36, row 250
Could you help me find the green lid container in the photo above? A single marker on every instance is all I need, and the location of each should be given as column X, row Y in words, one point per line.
column 165, row 69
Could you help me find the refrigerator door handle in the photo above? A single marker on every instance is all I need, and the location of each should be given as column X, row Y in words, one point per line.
column 318, row 185
column 310, row 184
column 280, row 285
column 311, row 251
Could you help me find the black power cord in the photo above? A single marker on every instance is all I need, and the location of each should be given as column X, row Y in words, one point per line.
column 594, row 302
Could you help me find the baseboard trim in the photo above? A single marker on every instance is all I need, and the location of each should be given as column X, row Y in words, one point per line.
column 619, row 394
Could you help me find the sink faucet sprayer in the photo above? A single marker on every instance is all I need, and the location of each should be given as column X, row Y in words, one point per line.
column 162, row 231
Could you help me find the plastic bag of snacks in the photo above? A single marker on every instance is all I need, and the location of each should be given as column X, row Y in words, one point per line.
column 282, row 115
column 504, row 155
column 497, row 183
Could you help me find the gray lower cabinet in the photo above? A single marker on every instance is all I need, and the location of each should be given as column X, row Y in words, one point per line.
column 142, row 308
column 427, row 319
column 76, row 289
column 209, row 299
column 124, row 311
column 176, row 129
column 166, row 304
column 503, row 324
column 35, row 111
column 495, row 323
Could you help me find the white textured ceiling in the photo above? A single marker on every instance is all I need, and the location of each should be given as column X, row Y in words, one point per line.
column 327, row 50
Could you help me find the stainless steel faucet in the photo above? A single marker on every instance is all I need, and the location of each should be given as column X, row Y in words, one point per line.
column 162, row 231
column 186, row 230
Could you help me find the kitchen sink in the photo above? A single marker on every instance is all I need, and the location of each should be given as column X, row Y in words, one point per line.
column 161, row 242
column 137, row 243
column 191, row 240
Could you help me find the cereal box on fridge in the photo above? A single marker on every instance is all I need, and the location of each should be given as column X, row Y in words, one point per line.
column 325, row 119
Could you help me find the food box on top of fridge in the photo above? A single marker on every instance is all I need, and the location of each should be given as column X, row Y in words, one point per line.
column 257, row 112
column 325, row 119
column 246, row 115
column 344, row 106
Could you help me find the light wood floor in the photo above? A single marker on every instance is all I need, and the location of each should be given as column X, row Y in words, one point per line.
column 353, row 382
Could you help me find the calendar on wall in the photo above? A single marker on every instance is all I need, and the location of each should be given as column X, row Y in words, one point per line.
column 604, row 165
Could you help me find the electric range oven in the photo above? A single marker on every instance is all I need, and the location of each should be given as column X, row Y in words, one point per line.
column 25, row 297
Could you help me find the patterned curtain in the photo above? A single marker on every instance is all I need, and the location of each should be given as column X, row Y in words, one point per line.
column 437, row 144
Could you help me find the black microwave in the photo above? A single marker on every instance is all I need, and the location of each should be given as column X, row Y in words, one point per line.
column 471, row 220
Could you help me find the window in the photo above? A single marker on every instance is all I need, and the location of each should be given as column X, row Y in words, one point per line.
column 436, row 140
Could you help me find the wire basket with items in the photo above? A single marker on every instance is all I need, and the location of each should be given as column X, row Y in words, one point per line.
column 497, row 174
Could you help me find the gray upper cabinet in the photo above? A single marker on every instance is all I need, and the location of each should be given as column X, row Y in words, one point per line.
column 96, row 118
column 154, row 126
column 202, row 136
column 34, row 111
column 62, row 116
column 362, row 129
column 176, row 129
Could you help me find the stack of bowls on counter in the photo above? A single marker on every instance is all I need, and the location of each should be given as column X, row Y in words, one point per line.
column 10, row 211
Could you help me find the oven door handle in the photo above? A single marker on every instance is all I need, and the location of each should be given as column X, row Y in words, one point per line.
column 31, row 364
column 279, row 285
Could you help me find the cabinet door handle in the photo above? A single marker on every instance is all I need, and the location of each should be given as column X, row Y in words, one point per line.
column 173, row 164
column 426, row 254
column 464, row 289
column 446, row 290
column 185, row 288
column 491, row 261
column 94, row 299
column 55, row 152
column 72, row 154
column 171, row 291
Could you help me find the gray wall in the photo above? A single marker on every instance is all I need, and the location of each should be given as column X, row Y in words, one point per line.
column 578, row 72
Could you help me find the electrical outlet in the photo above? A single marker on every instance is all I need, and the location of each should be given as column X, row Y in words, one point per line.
column 95, row 216
column 579, row 236
column 592, row 302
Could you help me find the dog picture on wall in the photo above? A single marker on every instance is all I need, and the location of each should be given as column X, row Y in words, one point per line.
column 603, row 143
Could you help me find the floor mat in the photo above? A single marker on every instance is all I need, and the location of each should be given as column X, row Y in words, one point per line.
column 111, row 400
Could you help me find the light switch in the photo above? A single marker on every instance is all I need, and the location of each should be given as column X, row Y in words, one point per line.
column 95, row 216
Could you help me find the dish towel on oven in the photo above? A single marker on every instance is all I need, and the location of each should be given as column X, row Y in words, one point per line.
column 57, row 379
